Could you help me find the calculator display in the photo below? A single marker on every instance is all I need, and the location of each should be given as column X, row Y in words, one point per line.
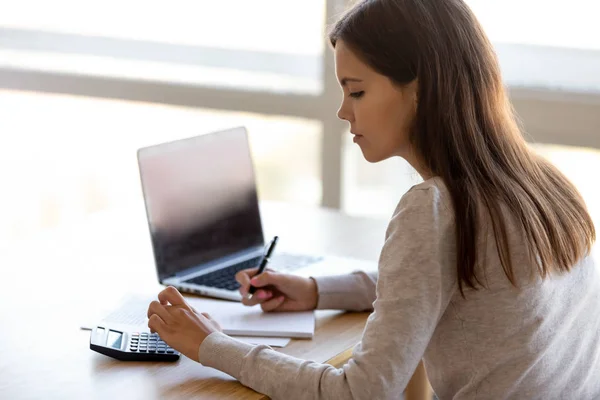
column 114, row 339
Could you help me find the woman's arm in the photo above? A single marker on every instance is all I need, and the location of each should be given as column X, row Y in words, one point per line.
column 414, row 287
column 351, row 292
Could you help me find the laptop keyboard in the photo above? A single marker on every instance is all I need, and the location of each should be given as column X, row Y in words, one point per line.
column 225, row 278
column 286, row 262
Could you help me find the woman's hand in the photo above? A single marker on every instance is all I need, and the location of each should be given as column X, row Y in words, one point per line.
column 278, row 292
column 179, row 324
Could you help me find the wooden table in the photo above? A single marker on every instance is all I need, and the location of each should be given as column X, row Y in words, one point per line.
column 56, row 280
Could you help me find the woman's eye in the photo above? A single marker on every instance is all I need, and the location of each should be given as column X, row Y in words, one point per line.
column 357, row 95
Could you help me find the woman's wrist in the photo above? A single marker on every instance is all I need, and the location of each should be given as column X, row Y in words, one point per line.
column 314, row 293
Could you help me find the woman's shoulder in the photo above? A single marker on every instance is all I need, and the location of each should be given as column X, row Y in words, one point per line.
column 421, row 232
column 429, row 197
column 424, row 209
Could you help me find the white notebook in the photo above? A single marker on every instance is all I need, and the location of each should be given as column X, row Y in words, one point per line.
column 235, row 318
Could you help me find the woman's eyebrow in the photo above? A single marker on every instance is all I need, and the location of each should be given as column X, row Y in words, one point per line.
column 344, row 81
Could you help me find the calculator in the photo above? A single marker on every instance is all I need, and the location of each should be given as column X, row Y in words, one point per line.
column 131, row 346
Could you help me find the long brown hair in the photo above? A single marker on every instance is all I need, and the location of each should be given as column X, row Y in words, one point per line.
column 465, row 131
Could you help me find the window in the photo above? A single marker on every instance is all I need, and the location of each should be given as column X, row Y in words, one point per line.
column 263, row 44
column 376, row 189
column 69, row 156
column 546, row 23
column 264, row 56
column 545, row 44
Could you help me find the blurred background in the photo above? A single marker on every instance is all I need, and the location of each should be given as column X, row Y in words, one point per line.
column 84, row 84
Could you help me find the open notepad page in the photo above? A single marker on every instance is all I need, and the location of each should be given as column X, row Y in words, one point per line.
column 235, row 318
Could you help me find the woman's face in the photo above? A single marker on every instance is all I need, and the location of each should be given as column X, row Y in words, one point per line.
column 380, row 112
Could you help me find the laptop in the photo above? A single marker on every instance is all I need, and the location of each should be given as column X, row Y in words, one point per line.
column 203, row 216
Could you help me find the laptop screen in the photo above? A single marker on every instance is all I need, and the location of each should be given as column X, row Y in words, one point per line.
column 201, row 199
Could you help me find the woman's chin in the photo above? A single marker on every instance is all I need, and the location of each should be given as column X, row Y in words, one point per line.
column 374, row 156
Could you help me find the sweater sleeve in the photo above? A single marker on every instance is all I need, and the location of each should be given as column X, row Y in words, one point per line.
column 413, row 289
column 351, row 292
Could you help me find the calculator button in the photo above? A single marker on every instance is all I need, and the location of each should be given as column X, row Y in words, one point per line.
column 161, row 350
column 170, row 351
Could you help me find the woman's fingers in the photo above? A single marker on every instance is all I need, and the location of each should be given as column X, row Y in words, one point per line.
column 244, row 277
column 272, row 304
column 170, row 295
column 260, row 296
column 156, row 308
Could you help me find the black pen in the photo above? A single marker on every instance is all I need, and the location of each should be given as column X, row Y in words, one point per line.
column 264, row 261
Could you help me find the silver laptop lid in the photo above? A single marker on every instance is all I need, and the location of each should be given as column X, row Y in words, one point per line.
column 201, row 201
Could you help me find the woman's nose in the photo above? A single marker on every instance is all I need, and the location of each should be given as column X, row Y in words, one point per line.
column 343, row 114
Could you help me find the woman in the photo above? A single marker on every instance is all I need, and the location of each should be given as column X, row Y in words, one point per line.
column 486, row 271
